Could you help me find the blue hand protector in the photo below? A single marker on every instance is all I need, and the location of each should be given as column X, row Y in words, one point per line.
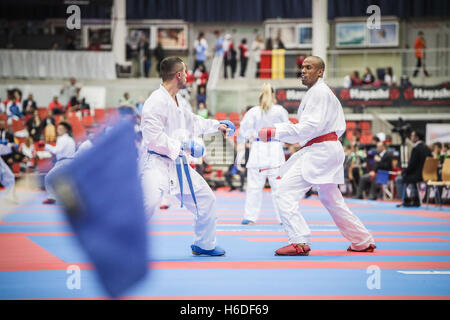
column 230, row 125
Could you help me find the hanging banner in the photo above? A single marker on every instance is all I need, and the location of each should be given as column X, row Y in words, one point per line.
column 290, row 98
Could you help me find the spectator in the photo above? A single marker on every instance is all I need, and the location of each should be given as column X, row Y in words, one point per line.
column 229, row 57
column 55, row 106
column 238, row 167
column 419, row 52
column 383, row 161
column 34, row 126
column 389, row 78
column 446, row 150
column 299, row 63
column 55, row 46
column 269, row 44
column 70, row 90
column 70, row 43
column 436, row 149
column 48, row 127
column 201, row 96
column 8, row 136
column 202, row 110
column 29, row 152
column 413, row 173
column 243, row 50
column 368, row 77
column 348, row 80
column 95, row 44
column 145, row 61
column 159, row 55
column 279, row 44
column 126, row 101
column 200, row 50
column 201, row 76
column 356, row 81
column 29, row 105
column 257, row 46
column 218, row 47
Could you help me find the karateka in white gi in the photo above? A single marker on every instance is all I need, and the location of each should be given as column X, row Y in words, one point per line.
column 319, row 162
column 64, row 152
column 168, row 131
column 264, row 159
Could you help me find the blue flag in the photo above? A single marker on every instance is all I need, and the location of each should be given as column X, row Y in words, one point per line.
column 102, row 196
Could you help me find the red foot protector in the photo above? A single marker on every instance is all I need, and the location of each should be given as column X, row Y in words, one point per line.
column 266, row 133
column 370, row 248
column 293, row 250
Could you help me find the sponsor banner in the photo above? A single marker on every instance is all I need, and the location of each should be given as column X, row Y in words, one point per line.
column 290, row 98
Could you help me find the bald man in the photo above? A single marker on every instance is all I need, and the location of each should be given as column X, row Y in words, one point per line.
column 319, row 162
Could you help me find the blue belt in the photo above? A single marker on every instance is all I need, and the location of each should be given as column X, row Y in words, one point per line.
column 180, row 175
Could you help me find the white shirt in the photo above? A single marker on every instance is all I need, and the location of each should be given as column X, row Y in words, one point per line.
column 65, row 147
column 256, row 50
column 320, row 112
column 165, row 125
column 263, row 154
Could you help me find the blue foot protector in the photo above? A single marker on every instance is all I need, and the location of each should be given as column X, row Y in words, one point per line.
column 217, row 251
column 245, row 221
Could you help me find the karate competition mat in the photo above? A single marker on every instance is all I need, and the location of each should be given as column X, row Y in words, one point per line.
column 412, row 260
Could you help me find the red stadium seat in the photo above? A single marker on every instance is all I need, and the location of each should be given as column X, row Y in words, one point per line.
column 364, row 125
column 18, row 125
column 78, row 130
column 221, row 116
column 3, row 116
column 351, row 124
column 99, row 115
column 88, row 121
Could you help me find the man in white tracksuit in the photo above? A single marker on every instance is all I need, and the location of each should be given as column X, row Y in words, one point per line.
column 319, row 162
column 265, row 159
column 64, row 152
column 166, row 124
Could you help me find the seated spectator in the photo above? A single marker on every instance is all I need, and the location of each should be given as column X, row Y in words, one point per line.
column 383, row 161
column 14, row 110
column 413, row 173
column 356, row 81
column 239, row 166
column 29, row 153
column 368, row 77
column 389, row 78
column 74, row 105
column 48, row 127
column 84, row 105
column 34, row 126
column 29, row 105
column 436, row 149
column 126, row 101
column 55, row 106
column 202, row 110
column 201, row 96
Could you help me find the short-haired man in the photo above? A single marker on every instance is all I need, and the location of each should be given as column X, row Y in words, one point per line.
column 319, row 162
column 166, row 126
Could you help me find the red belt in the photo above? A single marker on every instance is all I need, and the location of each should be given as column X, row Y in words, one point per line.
column 332, row 136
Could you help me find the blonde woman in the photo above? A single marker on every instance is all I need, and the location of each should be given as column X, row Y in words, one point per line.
column 265, row 159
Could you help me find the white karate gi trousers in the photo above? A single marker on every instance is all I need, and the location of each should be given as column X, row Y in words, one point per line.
column 293, row 187
column 56, row 168
column 158, row 176
column 255, row 185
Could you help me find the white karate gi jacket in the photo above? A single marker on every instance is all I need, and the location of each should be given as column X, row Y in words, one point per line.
column 320, row 112
column 263, row 155
column 65, row 147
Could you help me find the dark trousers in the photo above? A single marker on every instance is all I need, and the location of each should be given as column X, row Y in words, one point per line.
column 365, row 183
column 243, row 67
column 418, row 65
column 229, row 178
column 232, row 64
